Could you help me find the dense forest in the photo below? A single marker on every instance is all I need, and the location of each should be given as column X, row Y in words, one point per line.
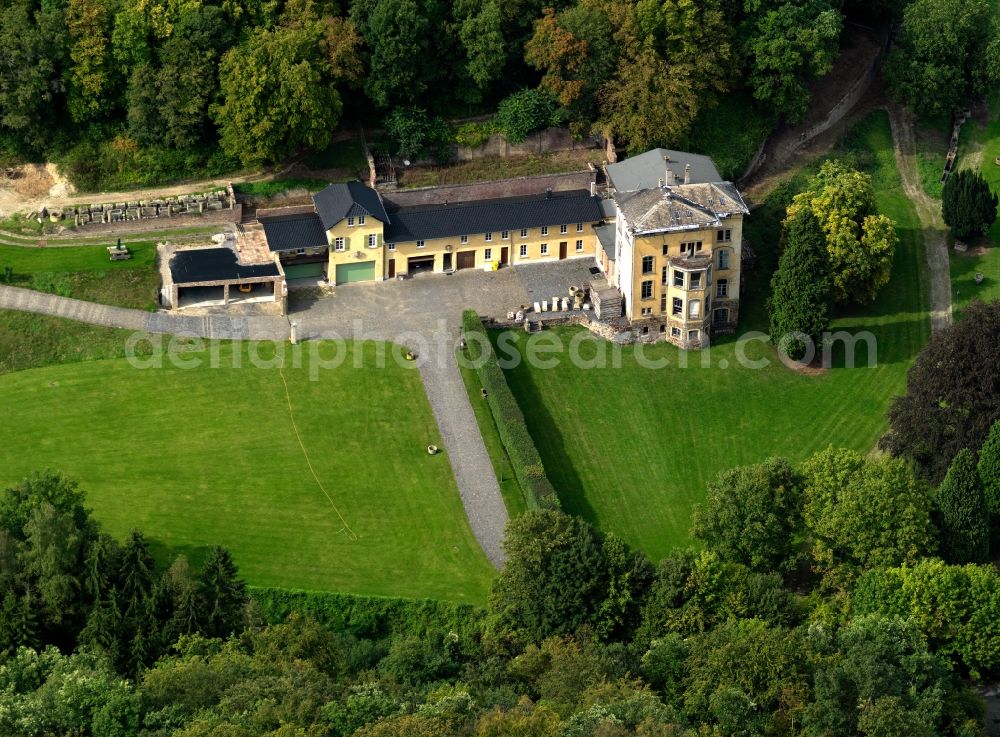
column 180, row 87
column 846, row 595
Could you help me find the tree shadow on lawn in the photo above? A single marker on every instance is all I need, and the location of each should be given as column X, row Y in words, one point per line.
column 551, row 443
column 165, row 554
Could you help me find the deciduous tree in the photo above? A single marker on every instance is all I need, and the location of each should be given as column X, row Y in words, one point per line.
column 787, row 45
column 264, row 117
column 753, row 515
column 947, row 52
column 859, row 240
column 864, row 512
column 952, row 393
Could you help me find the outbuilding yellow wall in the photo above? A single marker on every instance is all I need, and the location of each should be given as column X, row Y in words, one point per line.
column 355, row 240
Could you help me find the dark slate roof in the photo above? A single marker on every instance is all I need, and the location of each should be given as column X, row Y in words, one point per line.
column 484, row 216
column 214, row 264
column 648, row 170
column 606, row 237
column 289, row 232
column 338, row 201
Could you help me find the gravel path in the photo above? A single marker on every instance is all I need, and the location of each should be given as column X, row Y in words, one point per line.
column 463, row 443
column 220, row 327
column 929, row 211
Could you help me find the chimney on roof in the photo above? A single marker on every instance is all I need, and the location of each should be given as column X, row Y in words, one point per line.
column 548, row 193
column 659, row 182
column 593, row 188
column 687, row 174
column 670, row 177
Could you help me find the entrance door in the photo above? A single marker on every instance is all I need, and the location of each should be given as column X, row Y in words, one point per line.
column 504, row 256
column 447, row 262
column 466, row 259
column 562, row 250
column 392, row 268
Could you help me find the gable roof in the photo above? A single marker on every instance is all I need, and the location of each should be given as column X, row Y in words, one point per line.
column 485, row 216
column 348, row 199
column 648, row 170
column 214, row 264
column 682, row 207
column 290, row 232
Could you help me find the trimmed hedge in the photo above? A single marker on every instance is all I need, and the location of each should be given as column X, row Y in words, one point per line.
column 517, row 441
column 368, row 617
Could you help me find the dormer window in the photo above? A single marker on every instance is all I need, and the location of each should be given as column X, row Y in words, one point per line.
column 464, row 239
column 350, row 222
column 361, row 219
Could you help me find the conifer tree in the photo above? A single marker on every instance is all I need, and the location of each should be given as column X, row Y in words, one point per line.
column 223, row 594
column 802, row 288
column 965, row 531
column 989, row 469
column 968, row 206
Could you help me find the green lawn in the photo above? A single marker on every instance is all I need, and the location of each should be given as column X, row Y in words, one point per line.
column 513, row 497
column 632, row 448
column 29, row 341
column 86, row 272
column 208, row 456
column 964, row 266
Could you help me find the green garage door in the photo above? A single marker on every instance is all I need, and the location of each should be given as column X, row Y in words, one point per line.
column 304, row 271
column 347, row 273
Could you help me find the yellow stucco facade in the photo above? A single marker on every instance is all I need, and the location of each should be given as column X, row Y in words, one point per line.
column 354, row 242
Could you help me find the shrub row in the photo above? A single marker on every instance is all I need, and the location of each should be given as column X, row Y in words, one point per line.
column 368, row 617
column 524, row 456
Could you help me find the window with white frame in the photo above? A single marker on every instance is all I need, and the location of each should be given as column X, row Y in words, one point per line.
column 505, row 235
column 647, row 289
column 390, row 246
column 350, row 221
column 488, row 237
column 696, row 280
column 722, row 288
column 646, row 311
column 338, row 244
column 524, row 232
column 488, row 254
column 372, row 240
column 545, row 230
column 300, row 252
column 678, row 278
column 675, row 332
column 579, row 245
column 724, row 258
column 420, row 244
column 545, row 249
column 678, row 306
column 524, row 250
column 564, row 228
column 724, row 235
column 464, row 239
column 579, row 227
column 694, row 308
column 361, row 219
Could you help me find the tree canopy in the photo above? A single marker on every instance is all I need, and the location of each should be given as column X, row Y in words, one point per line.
column 948, row 51
column 968, row 206
column 951, row 398
column 860, row 241
column 801, row 301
